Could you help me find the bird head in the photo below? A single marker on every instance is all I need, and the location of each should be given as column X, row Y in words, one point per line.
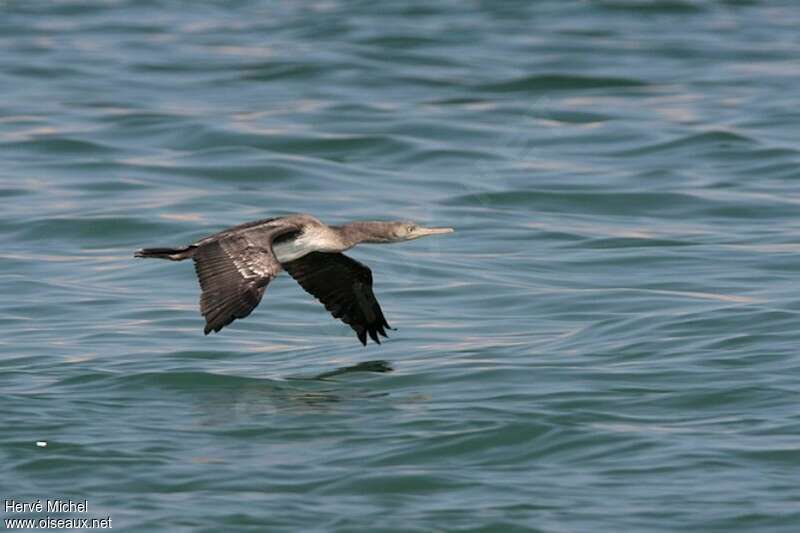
column 408, row 231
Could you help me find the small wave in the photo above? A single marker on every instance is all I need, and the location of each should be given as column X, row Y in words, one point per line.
column 167, row 379
column 9, row 193
column 664, row 6
column 95, row 228
column 598, row 202
column 283, row 71
column 554, row 82
column 190, row 380
column 721, row 140
column 63, row 146
column 49, row 72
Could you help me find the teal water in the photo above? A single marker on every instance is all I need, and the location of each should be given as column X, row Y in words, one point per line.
column 607, row 343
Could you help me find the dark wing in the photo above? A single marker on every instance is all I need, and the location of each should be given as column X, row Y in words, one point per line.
column 344, row 286
column 234, row 272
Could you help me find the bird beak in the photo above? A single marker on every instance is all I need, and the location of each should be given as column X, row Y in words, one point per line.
column 422, row 232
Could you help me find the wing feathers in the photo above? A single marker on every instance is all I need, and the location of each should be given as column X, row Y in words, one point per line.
column 233, row 272
column 344, row 286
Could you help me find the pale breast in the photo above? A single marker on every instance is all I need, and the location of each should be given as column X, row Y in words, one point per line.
column 310, row 240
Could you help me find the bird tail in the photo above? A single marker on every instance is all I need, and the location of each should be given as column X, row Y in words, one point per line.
column 173, row 254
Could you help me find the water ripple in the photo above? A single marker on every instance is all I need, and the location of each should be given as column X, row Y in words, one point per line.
column 607, row 342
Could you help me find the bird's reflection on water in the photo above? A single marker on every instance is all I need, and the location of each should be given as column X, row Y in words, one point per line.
column 250, row 399
column 366, row 366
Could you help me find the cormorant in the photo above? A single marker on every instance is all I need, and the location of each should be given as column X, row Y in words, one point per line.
column 235, row 265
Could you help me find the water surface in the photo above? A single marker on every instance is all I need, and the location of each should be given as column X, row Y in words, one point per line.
column 607, row 343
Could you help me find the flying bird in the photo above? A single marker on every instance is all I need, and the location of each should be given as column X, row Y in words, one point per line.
column 235, row 266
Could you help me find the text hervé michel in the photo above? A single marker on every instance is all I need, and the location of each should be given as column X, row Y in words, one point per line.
column 50, row 506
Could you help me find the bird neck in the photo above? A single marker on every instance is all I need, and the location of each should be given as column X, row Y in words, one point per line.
column 358, row 232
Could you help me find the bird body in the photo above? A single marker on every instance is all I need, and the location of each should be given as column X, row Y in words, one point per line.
column 235, row 266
